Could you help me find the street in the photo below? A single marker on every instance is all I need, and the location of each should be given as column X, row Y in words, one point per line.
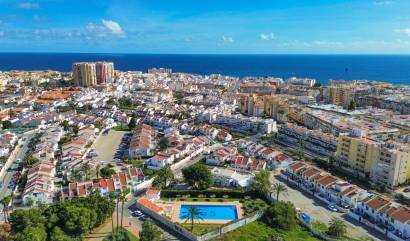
column 21, row 152
column 318, row 211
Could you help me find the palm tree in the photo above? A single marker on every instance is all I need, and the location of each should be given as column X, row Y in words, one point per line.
column 12, row 197
column 85, row 168
column 337, row 227
column 111, row 196
column 193, row 213
column 123, row 198
column 117, row 196
column 6, row 201
column 278, row 188
column 301, row 151
column 97, row 170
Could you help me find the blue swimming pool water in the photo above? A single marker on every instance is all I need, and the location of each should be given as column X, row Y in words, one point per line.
column 212, row 212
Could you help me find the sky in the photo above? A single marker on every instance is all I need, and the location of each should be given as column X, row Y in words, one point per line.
column 206, row 26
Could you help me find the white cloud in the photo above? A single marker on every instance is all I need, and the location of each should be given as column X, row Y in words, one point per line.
column 28, row 5
column 227, row 39
column 382, row 3
column 106, row 28
column 114, row 27
column 268, row 36
column 404, row 31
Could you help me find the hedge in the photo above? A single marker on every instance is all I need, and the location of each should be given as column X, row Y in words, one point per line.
column 168, row 193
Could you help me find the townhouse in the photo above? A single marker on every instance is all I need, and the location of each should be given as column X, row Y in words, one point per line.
column 325, row 186
column 141, row 143
column 247, row 164
column 129, row 178
column 385, row 216
column 40, row 183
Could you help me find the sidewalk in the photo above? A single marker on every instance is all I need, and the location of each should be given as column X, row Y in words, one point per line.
column 105, row 229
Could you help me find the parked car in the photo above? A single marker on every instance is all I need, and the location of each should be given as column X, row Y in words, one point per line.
column 332, row 208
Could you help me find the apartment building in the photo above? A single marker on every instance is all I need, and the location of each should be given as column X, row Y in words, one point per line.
column 392, row 167
column 84, row 74
column 104, row 72
column 340, row 93
column 357, row 154
column 315, row 141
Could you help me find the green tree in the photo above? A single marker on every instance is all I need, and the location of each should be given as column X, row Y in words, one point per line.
column 193, row 213
column 164, row 176
column 278, row 188
column 106, row 172
column 5, row 202
column 301, row 150
column 30, row 202
column 97, row 170
column 282, row 215
column 112, row 196
column 57, row 234
column 76, row 129
column 337, row 227
column 198, row 176
column 163, row 143
column 30, row 234
column 132, row 124
column 65, row 125
column 7, row 124
column 352, row 105
column 111, row 101
column 86, row 169
column 21, row 219
column 118, row 235
column 262, row 182
column 79, row 220
column 29, row 160
column 149, row 232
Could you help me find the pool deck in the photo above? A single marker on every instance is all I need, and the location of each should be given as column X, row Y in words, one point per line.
column 177, row 207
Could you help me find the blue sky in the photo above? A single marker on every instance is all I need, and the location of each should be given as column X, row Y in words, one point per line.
column 207, row 26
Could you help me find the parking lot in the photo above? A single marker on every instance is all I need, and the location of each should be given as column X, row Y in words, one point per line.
column 108, row 146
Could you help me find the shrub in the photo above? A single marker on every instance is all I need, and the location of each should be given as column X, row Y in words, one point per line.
column 218, row 193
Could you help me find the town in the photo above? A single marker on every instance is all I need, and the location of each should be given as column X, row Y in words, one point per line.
column 202, row 157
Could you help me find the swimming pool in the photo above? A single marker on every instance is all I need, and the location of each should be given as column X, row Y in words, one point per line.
column 211, row 212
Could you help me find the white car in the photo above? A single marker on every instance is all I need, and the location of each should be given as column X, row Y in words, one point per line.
column 333, row 208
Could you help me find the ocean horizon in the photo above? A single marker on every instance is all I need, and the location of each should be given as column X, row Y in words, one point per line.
column 394, row 69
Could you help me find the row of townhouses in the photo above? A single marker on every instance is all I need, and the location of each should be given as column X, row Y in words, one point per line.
column 382, row 214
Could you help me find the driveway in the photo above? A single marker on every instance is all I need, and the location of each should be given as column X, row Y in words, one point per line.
column 319, row 212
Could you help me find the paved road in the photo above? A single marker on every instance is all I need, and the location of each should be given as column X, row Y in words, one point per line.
column 5, row 191
column 318, row 211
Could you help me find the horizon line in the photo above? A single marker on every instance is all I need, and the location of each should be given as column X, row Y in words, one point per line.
column 260, row 54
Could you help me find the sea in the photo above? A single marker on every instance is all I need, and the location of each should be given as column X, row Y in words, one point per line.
column 394, row 69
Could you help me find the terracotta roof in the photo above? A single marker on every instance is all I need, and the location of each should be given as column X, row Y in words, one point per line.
column 377, row 202
column 311, row 172
column 402, row 215
column 347, row 191
column 150, row 205
column 327, row 180
column 153, row 191
column 297, row 165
